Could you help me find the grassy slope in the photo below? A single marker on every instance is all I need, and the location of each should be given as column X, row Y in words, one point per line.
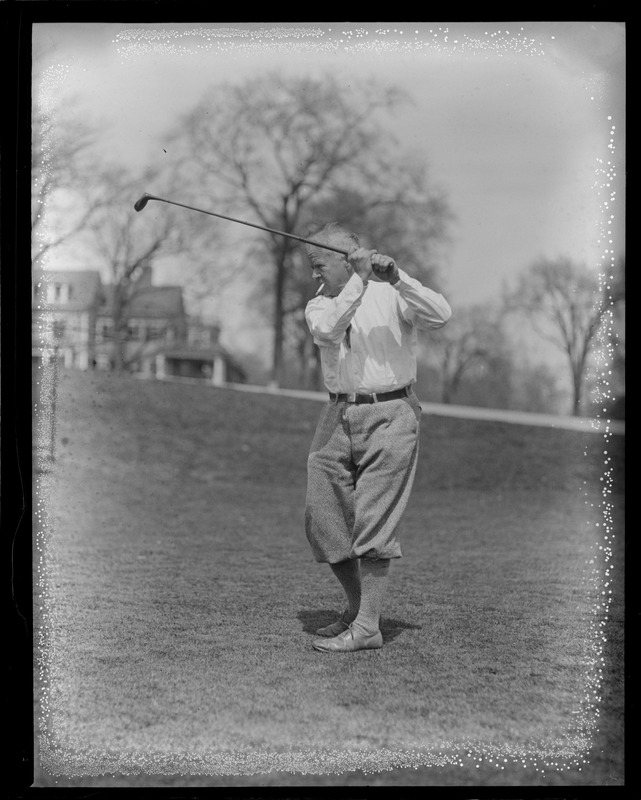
column 181, row 598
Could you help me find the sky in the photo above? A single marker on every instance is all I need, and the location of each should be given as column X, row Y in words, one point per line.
column 521, row 124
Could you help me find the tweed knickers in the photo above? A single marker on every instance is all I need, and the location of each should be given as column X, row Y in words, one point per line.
column 360, row 472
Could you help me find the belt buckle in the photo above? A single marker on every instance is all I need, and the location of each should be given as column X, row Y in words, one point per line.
column 351, row 398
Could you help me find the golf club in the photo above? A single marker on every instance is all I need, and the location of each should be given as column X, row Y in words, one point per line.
column 142, row 202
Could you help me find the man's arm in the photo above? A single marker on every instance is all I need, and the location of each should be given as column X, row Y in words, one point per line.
column 329, row 317
column 423, row 307
column 419, row 305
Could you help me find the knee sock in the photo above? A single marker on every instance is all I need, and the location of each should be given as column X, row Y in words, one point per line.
column 374, row 579
column 348, row 574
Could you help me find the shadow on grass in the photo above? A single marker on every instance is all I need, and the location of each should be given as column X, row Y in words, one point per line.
column 391, row 628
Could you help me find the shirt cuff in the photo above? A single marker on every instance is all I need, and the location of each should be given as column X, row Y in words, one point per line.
column 402, row 278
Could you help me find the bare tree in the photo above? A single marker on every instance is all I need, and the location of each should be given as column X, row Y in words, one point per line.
column 64, row 155
column 566, row 306
column 616, row 341
column 123, row 245
column 273, row 147
column 472, row 340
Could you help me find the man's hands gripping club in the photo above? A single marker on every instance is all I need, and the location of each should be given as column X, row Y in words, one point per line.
column 370, row 264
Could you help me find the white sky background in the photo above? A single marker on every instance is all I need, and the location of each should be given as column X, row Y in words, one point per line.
column 521, row 124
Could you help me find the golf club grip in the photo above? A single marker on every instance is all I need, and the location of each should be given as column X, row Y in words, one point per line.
column 389, row 264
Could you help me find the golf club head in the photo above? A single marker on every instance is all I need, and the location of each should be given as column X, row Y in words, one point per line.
column 140, row 204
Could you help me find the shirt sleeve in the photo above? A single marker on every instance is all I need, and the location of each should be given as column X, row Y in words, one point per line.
column 329, row 317
column 419, row 305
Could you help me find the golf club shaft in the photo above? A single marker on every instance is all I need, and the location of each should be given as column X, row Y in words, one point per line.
column 140, row 204
column 143, row 202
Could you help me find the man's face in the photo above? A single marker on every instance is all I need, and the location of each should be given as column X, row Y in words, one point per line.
column 330, row 269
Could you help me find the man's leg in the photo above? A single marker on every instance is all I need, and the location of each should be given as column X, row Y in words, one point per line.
column 349, row 577
column 329, row 514
column 374, row 579
column 329, row 511
column 385, row 441
column 363, row 633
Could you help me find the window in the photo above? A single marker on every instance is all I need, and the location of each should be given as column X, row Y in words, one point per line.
column 59, row 328
column 59, row 292
column 156, row 330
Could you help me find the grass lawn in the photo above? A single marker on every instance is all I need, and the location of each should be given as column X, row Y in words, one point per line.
column 176, row 600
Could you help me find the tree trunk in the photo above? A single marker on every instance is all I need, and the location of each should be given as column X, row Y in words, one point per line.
column 119, row 328
column 311, row 367
column 577, row 373
column 451, row 384
column 278, row 339
column 118, row 350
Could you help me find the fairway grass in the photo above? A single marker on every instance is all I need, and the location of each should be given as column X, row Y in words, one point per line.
column 176, row 600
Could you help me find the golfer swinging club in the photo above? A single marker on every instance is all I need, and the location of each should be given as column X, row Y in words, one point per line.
column 363, row 456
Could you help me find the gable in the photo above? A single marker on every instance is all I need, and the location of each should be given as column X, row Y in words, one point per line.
column 67, row 290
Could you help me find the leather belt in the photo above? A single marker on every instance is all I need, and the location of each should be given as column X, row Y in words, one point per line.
column 378, row 397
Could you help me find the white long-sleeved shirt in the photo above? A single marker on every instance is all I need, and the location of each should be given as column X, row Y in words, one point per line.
column 379, row 354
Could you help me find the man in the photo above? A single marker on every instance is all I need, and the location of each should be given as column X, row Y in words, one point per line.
column 362, row 460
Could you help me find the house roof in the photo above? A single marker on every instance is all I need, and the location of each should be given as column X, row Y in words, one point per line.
column 88, row 291
column 85, row 287
column 152, row 302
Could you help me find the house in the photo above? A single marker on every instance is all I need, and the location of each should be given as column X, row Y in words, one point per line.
column 132, row 329
column 78, row 318
column 201, row 357
column 64, row 311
